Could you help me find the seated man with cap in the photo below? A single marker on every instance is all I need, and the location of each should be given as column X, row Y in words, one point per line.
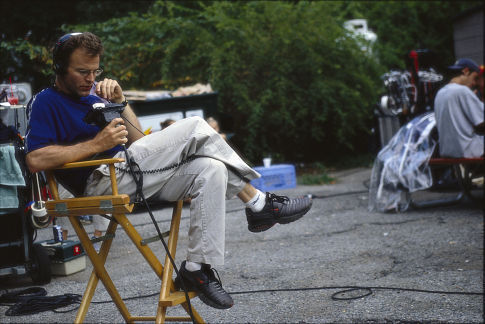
column 459, row 113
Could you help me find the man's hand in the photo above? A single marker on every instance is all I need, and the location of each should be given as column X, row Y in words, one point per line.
column 113, row 134
column 110, row 89
column 480, row 129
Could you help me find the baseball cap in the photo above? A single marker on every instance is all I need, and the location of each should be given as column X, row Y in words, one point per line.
column 465, row 63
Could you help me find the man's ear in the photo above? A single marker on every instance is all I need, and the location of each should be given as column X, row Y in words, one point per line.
column 465, row 71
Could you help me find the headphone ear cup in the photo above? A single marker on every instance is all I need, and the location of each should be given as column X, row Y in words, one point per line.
column 58, row 68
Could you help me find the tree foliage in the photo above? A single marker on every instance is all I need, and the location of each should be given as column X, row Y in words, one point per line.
column 294, row 83
column 296, row 86
column 405, row 25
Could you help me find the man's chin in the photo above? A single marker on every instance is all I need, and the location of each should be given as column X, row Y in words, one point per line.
column 83, row 93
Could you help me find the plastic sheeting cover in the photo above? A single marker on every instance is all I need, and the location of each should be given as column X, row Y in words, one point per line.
column 402, row 165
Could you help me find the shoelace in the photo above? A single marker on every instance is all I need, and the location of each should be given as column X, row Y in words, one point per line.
column 275, row 198
column 218, row 279
column 217, row 283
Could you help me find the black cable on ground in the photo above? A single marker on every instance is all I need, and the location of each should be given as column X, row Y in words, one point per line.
column 347, row 193
column 40, row 304
column 34, row 300
column 13, row 297
column 367, row 290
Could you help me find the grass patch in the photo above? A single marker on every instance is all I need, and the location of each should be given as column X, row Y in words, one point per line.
column 314, row 174
column 317, row 173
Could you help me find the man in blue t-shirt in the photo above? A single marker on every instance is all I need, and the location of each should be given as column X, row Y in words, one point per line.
column 56, row 113
column 57, row 120
column 186, row 160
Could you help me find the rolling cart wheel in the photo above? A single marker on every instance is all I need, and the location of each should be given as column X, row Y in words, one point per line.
column 40, row 271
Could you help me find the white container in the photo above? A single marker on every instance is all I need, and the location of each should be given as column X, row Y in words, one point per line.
column 66, row 268
column 267, row 162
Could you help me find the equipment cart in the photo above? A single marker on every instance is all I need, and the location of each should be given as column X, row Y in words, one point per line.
column 18, row 254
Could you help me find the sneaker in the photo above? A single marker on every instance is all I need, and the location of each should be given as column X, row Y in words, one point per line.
column 205, row 283
column 278, row 209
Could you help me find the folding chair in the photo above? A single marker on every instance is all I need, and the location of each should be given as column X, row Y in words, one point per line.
column 119, row 205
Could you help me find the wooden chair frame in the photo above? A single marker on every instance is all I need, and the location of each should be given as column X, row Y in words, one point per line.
column 118, row 205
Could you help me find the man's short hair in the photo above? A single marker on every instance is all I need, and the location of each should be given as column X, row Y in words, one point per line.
column 68, row 43
column 166, row 123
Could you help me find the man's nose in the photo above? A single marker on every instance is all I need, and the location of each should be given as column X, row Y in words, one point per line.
column 91, row 76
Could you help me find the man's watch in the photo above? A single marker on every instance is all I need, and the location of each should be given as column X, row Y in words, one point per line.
column 124, row 102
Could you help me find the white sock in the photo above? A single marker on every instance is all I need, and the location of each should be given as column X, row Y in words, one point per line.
column 257, row 203
column 192, row 266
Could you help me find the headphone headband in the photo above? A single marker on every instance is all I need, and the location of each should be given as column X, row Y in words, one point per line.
column 58, row 68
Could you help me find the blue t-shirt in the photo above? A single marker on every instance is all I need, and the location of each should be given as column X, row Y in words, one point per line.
column 57, row 119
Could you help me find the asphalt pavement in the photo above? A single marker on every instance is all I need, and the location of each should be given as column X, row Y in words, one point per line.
column 340, row 263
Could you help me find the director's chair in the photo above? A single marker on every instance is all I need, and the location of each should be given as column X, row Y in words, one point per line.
column 118, row 205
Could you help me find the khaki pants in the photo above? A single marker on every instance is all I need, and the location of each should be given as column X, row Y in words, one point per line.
column 215, row 174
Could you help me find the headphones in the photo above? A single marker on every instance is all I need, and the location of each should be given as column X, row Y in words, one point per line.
column 58, row 66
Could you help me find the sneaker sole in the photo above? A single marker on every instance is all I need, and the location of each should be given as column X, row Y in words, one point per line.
column 209, row 302
column 260, row 228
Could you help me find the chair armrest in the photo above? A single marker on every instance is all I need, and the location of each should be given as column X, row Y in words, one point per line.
column 82, row 164
column 89, row 205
